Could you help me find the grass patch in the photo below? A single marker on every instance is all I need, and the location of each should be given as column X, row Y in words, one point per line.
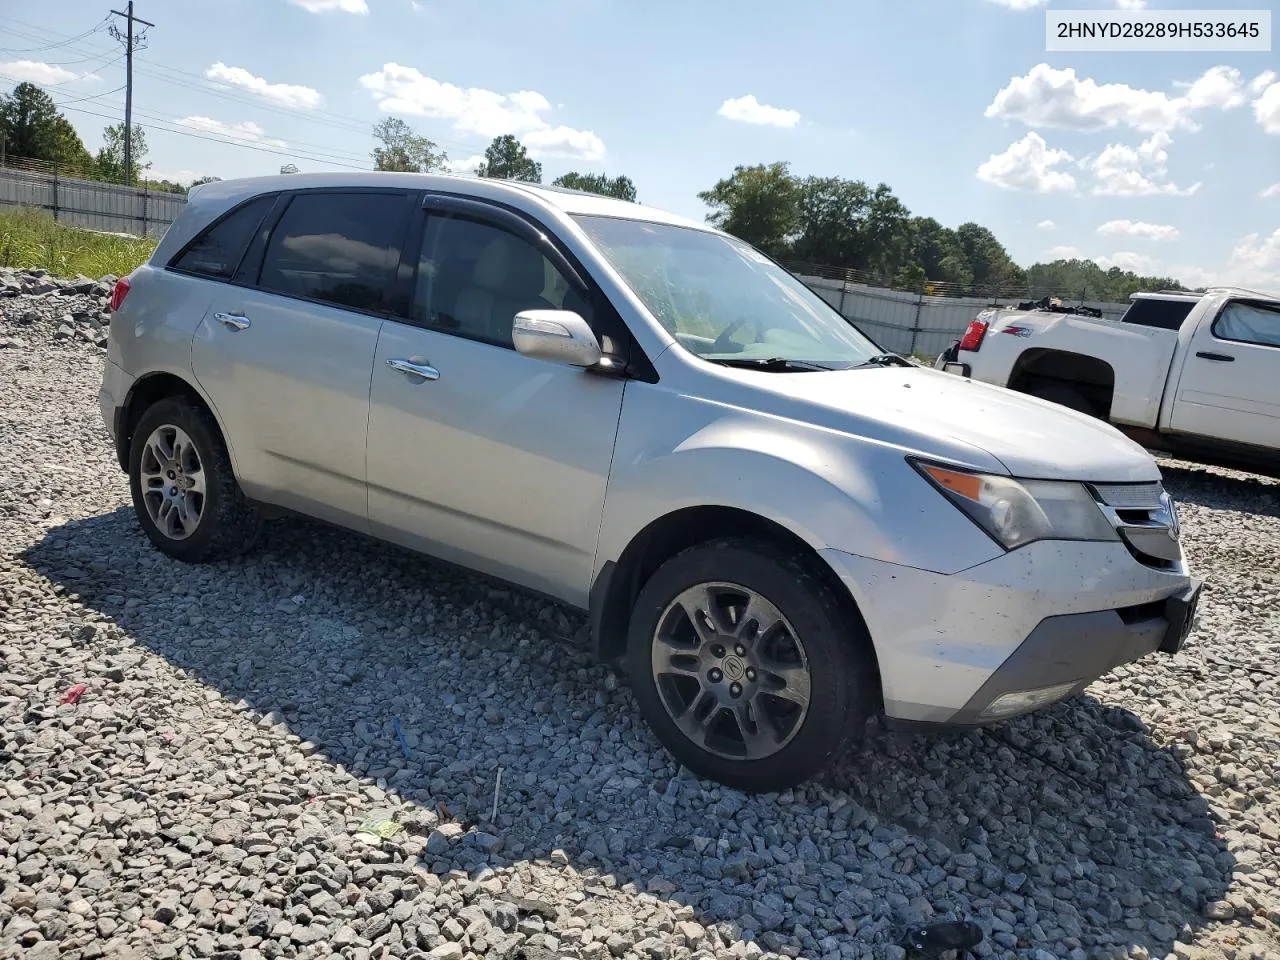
column 32, row 238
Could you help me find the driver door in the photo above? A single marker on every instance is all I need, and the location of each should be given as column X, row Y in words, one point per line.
column 486, row 457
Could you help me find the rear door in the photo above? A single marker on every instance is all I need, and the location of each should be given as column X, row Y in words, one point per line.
column 285, row 352
column 1230, row 383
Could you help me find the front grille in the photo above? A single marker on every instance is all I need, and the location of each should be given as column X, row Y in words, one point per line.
column 1130, row 496
column 1144, row 517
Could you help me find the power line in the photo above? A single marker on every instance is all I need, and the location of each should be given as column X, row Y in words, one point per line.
column 172, row 123
column 61, row 43
column 235, row 143
column 319, row 117
column 60, row 103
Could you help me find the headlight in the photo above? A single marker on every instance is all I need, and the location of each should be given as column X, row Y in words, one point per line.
column 1017, row 512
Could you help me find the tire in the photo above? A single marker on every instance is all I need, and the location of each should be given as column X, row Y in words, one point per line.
column 225, row 521
column 1064, row 395
column 833, row 658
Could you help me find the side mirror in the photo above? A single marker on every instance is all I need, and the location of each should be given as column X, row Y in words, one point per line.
column 559, row 335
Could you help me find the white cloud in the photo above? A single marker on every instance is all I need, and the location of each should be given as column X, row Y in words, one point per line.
column 1122, row 171
column 287, row 94
column 1131, row 4
column 247, row 132
column 1135, row 262
column 1046, row 225
column 564, row 142
column 1220, row 88
column 468, row 165
column 1062, row 253
column 41, row 74
column 185, row 177
column 1021, row 4
column 1262, row 81
column 1138, row 228
column 1271, row 191
column 1028, row 164
column 325, row 6
column 1267, row 107
column 1255, row 262
column 1047, row 97
column 750, row 110
column 406, row 90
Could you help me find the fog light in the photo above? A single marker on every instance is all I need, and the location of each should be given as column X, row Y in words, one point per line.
column 1022, row 701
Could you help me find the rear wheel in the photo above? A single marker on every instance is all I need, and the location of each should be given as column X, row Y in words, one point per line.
column 748, row 667
column 185, row 494
column 1065, row 395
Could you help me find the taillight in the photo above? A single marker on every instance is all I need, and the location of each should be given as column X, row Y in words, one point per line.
column 972, row 338
column 118, row 293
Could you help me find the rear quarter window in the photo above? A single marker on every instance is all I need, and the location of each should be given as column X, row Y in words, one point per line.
column 1162, row 314
column 217, row 250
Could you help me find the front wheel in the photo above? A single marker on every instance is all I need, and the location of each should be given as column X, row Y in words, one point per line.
column 747, row 666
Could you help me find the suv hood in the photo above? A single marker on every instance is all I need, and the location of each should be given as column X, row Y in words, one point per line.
column 941, row 415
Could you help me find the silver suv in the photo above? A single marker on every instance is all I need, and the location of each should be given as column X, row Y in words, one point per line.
column 777, row 529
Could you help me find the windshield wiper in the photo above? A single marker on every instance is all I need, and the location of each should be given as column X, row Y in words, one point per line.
column 887, row 360
column 771, row 365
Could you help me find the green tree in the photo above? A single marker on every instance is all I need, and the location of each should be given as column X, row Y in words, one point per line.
column 507, row 159
column 939, row 252
column 759, row 204
column 620, row 186
column 33, row 129
column 848, row 224
column 831, row 214
column 199, row 180
column 1085, row 280
column 110, row 160
column 992, row 268
column 404, row 150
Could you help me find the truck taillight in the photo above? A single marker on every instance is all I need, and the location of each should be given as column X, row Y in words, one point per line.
column 972, row 338
column 118, row 293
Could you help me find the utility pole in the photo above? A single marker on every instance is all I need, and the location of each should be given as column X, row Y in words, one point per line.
column 129, row 44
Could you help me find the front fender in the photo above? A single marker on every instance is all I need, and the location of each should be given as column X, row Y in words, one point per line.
column 829, row 489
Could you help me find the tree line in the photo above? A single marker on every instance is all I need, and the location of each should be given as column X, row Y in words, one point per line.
column 506, row 158
column 32, row 128
column 832, row 222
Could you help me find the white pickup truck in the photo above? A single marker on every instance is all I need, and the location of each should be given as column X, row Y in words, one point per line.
column 1196, row 376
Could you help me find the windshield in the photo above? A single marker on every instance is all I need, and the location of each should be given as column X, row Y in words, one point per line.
column 723, row 300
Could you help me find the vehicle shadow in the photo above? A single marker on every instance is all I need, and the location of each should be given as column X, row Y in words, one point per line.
column 1068, row 831
column 1221, row 489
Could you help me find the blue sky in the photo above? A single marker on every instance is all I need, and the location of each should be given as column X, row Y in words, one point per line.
column 1163, row 162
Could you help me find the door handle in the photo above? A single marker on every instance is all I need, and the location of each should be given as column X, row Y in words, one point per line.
column 1220, row 357
column 409, row 368
column 233, row 321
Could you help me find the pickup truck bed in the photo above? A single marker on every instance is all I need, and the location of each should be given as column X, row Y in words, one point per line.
column 1193, row 375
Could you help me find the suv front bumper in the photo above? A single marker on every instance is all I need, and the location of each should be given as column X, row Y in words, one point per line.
column 1016, row 633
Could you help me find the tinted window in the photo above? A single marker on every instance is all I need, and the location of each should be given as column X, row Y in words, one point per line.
column 336, row 247
column 217, row 251
column 1165, row 314
column 1249, row 323
column 474, row 277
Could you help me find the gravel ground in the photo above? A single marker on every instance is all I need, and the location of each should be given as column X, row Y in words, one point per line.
column 245, row 726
